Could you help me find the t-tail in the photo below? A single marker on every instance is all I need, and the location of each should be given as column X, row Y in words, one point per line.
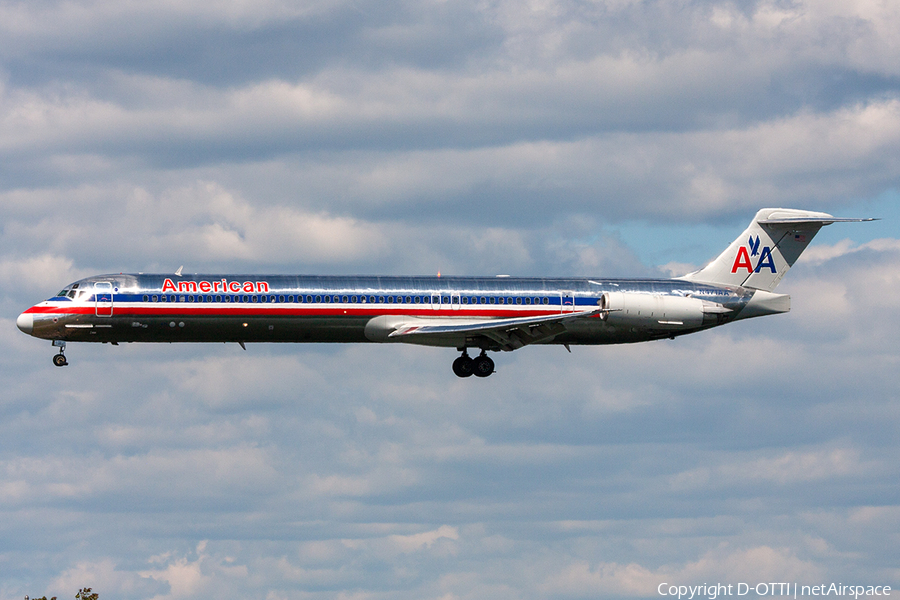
column 761, row 256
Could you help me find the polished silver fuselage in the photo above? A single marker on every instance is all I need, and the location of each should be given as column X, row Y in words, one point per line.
column 281, row 308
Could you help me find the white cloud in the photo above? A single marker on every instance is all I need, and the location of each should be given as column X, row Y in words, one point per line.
column 790, row 468
column 100, row 576
column 723, row 564
column 821, row 253
column 37, row 275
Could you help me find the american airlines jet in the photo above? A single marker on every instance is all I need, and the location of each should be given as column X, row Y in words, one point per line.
column 485, row 314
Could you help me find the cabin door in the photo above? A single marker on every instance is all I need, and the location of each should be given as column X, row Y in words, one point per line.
column 567, row 302
column 103, row 299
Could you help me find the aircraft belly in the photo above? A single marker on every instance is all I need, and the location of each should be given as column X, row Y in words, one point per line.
column 595, row 333
column 312, row 329
column 174, row 328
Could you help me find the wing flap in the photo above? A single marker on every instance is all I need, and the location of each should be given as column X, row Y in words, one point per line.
column 508, row 333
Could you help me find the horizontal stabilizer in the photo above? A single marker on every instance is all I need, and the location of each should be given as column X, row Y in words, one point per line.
column 819, row 221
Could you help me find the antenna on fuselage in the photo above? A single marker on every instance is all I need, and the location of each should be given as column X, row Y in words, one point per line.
column 178, row 272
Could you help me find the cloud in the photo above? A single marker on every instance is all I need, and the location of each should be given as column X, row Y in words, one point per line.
column 723, row 564
column 35, row 275
column 789, row 468
column 538, row 138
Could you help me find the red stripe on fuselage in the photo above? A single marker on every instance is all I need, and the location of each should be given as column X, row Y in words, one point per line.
column 122, row 310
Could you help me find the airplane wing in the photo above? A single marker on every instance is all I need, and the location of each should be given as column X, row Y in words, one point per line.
column 509, row 334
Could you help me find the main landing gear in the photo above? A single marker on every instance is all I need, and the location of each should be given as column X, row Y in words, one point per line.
column 60, row 359
column 480, row 366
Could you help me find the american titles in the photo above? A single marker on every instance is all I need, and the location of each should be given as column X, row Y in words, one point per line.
column 220, row 285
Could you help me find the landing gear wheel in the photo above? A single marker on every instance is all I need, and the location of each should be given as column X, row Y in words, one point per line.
column 464, row 366
column 484, row 366
column 60, row 360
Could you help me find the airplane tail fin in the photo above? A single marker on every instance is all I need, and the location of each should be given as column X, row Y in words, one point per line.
column 761, row 256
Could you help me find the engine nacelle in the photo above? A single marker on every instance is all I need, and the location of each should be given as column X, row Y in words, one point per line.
column 654, row 311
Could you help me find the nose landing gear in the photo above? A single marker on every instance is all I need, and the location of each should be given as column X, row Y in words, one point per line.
column 60, row 359
column 480, row 366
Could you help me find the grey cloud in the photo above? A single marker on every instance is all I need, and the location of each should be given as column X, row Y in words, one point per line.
column 222, row 46
column 680, row 86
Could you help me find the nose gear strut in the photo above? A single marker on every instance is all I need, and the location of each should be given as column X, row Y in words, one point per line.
column 60, row 359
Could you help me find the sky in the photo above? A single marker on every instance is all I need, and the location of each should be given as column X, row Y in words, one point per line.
column 535, row 137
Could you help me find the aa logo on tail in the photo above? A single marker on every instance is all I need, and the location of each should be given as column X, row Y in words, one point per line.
column 743, row 259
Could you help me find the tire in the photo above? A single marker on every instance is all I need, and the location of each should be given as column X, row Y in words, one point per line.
column 463, row 366
column 484, row 366
column 60, row 360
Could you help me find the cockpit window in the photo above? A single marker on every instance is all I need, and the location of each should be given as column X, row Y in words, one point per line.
column 71, row 294
column 62, row 293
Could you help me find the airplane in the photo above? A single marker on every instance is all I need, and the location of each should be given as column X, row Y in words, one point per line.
column 489, row 314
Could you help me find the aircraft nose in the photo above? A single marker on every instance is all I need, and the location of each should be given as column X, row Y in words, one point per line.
column 25, row 322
